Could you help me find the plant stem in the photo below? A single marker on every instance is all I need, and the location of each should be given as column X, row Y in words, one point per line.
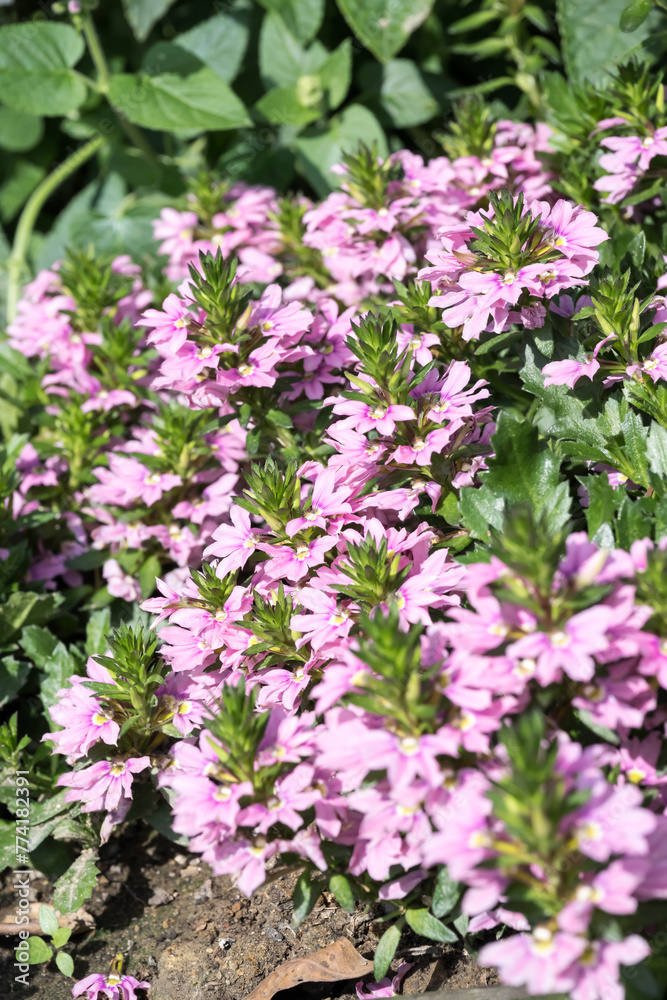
column 26, row 224
column 103, row 76
column 96, row 52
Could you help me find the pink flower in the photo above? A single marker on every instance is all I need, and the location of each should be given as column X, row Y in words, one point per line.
column 541, row 961
column 325, row 501
column 112, row 987
column 327, row 622
column 378, row 416
column 233, row 544
column 104, row 784
column 387, row 987
column 598, row 968
column 568, row 648
column 568, row 372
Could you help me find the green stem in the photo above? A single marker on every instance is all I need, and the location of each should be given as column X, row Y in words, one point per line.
column 96, row 52
column 103, row 76
column 26, row 224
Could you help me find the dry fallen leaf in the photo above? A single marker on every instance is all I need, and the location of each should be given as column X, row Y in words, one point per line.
column 78, row 922
column 328, row 965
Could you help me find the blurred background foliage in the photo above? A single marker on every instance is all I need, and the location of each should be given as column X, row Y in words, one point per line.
column 109, row 111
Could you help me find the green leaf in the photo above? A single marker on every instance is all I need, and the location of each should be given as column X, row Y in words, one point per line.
column 220, row 42
column 98, row 628
column 143, row 14
column 61, row 936
column 340, row 886
column 302, row 17
column 18, row 187
column 279, row 418
column 282, row 106
column 637, row 249
column 595, row 727
column 282, row 60
column 36, row 61
column 7, row 843
column 336, row 74
column 65, row 963
column 424, row 923
column 385, row 951
column 13, row 674
column 402, row 93
column 635, row 14
column 446, row 894
column 25, row 608
column 18, row 130
column 76, row 885
column 384, row 26
column 523, row 470
column 306, row 894
column 48, row 920
column 592, row 41
column 461, row 923
column 58, row 669
column 656, row 449
column 38, row 951
column 38, row 644
column 320, row 148
column 480, row 509
column 201, row 101
column 604, row 501
column 147, row 574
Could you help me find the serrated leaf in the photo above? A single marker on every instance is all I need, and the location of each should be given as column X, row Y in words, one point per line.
column 424, row 923
column 385, row 951
column 74, row 887
column 38, row 951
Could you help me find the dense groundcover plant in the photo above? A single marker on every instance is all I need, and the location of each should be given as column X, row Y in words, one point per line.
column 334, row 538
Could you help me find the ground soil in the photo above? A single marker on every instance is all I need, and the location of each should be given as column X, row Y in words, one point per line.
column 194, row 937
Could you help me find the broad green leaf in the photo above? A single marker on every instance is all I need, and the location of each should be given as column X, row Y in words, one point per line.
column 340, row 886
column 424, row 923
column 637, row 249
column 18, row 130
column 446, row 894
column 635, row 14
column 595, row 727
column 593, row 43
column 48, row 920
column 201, row 101
column 13, row 674
column 385, row 951
column 61, row 936
column 58, row 239
column 59, row 667
column 98, row 628
column 36, row 61
column 320, row 148
column 127, row 228
column 143, row 14
column 147, row 574
column 37, row 643
column 384, row 26
column 283, row 106
column 302, row 17
column 38, row 951
column 306, row 894
column 24, row 607
column 65, row 963
column 76, row 885
column 282, row 59
column 336, row 74
column 220, row 42
column 400, row 91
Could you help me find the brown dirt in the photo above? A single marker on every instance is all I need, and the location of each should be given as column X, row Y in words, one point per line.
column 207, row 941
